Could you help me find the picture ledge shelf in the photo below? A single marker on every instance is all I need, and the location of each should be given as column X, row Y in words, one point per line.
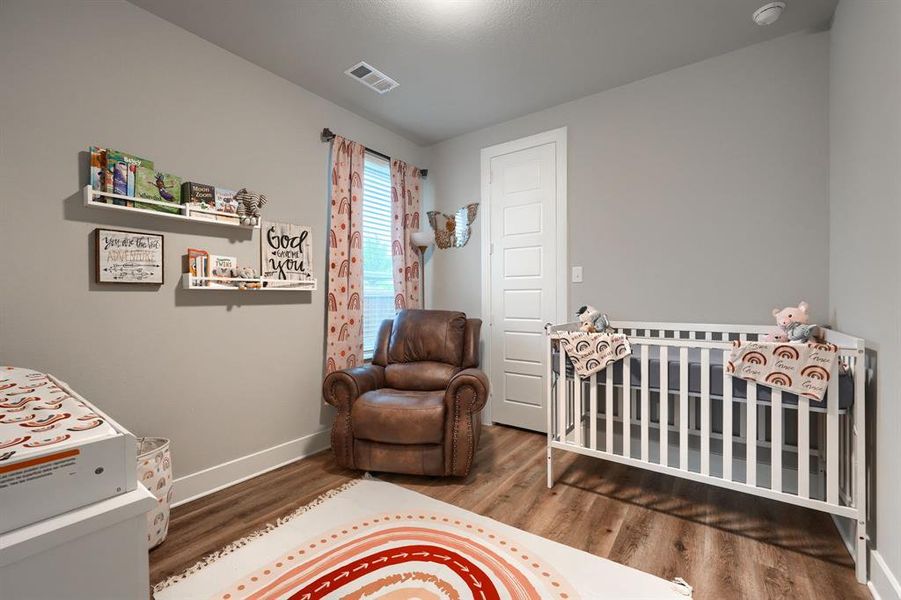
column 193, row 282
column 91, row 198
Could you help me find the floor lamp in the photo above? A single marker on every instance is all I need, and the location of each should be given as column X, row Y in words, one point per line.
column 423, row 240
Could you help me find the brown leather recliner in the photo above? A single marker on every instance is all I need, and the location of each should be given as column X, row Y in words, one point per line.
column 415, row 408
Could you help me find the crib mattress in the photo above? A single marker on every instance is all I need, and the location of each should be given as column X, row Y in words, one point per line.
column 739, row 386
column 37, row 416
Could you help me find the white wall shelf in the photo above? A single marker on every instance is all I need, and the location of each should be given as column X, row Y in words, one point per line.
column 224, row 284
column 94, row 198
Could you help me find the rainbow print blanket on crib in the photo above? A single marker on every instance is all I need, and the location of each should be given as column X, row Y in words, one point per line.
column 803, row 369
column 592, row 352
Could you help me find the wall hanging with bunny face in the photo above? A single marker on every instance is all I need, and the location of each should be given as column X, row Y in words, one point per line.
column 453, row 231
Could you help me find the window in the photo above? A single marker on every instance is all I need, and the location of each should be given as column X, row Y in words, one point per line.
column 378, row 280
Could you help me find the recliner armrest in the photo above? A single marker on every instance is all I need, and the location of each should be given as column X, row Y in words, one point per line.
column 467, row 391
column 341, row 388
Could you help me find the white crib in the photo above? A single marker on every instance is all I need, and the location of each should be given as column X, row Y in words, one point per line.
column 711, row 435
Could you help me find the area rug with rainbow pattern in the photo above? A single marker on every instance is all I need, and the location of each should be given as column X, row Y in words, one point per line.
column 371, row 539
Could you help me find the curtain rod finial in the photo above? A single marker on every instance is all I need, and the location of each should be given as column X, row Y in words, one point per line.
column 326, row 135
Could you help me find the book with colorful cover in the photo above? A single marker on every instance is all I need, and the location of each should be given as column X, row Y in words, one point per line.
column 216, row 266
column 197, row 263
column 162, row 187
column 226, row 203
column 98, row 170
column 118, row 166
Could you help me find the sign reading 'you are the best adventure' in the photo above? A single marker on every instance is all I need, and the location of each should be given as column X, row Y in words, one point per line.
column 128, row 257
column 285, row 251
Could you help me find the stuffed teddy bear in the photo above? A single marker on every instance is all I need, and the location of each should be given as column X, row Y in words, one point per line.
column 247, row 273
column 249, row 205
column 591, row 319
column 792, row 325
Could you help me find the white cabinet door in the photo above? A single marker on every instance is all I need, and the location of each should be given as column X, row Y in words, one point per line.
column 523, row 264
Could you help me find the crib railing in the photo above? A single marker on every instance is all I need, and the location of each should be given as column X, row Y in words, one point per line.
column 716, row 439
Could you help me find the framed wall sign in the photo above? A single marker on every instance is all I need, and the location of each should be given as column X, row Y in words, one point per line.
column 128, row 257
column 285, row 251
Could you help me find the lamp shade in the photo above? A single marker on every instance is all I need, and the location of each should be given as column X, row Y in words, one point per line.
column 422, row 238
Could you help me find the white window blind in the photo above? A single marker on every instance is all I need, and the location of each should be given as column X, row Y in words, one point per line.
column 378, row 282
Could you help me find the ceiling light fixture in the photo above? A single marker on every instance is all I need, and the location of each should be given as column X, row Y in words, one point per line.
column 769, row 13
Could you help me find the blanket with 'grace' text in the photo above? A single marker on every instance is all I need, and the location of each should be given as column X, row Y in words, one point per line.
column 803, row 369
column 592, row 352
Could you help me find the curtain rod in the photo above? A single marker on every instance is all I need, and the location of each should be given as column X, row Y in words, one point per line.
column 327, row 135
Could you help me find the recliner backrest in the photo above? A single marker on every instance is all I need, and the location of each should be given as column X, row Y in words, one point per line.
column 423, row 349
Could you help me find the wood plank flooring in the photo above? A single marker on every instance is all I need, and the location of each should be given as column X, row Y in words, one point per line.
column 727, row 545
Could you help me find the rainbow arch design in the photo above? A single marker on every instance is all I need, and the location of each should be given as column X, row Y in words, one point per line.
column 815, row 372
column 788, row 352
column 779, row 378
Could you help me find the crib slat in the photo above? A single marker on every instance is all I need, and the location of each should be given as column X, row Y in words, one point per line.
column 751, row 437
column 664, row 405
column 561, row 397
column 577, row 409
column 705, row 411
column 608, row 406
column 683, row 408
column 727, row 419
column 803, row 447
column 776, row 438
column 627, row 406
column 832, row 440
column 645, row 402
column 593, row 411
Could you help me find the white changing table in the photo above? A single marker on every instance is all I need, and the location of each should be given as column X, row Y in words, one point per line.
column 96, row 552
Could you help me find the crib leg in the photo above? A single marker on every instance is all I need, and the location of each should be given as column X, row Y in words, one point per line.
column 861, row 559
column 550, row 467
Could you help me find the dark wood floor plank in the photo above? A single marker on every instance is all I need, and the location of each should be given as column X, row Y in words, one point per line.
column 725, row 544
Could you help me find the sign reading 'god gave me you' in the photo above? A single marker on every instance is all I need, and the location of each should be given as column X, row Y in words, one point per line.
column 285, row 251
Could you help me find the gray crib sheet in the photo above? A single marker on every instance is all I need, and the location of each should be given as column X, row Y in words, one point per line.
column 739, row 386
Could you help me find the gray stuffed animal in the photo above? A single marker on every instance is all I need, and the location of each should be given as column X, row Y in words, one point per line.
column 249, row 205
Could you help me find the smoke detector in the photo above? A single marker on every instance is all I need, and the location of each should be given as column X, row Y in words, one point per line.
column 371, row 77
column 769, row 13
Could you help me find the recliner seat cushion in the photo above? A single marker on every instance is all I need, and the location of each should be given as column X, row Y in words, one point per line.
column 399, row 416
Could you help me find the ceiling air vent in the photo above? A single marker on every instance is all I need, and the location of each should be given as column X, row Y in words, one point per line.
column 372, row 77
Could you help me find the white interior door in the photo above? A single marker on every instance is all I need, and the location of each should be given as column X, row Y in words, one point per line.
column 523, row 281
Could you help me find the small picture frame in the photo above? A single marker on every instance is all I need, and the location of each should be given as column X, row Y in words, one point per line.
column 128, row 257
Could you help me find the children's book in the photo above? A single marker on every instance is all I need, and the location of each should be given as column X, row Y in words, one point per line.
column 215, row 264
column 197, row 196
column 197, row 261
column 226, row 203
column 118, row 168
column 162, row 187
column 98, row 170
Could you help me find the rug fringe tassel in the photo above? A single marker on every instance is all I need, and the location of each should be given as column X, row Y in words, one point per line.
column 237, row 544
column 683, row 587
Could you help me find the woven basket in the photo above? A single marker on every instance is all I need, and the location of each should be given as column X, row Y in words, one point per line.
column 155, row 472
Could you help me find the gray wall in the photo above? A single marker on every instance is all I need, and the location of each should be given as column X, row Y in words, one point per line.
column 708, row 185
column 865, row 228
column 221, row 379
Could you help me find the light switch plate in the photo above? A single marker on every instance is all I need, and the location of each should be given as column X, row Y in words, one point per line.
column 577, row 275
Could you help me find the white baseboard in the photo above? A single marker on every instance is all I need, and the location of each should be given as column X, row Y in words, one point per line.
column 883, row 584
column 204, row 482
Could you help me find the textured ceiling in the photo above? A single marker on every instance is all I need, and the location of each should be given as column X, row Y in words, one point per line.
column 465, row 64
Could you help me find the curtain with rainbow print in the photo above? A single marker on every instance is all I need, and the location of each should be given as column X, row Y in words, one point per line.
column 406, row 184
column 344, row 329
